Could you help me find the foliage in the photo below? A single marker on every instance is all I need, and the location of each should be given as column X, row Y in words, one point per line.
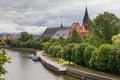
column 118, row 61
column 74, row 53
column 105, row 26
column 94, row 40
column 116, row 41
column 87, row 54
column 103, row 58
column 112, row 62
column 79, row 54
column 2, row 42
column 46, row 46
column 93, row 59
column 75, row 37
column 25, row 36
column 68, row 52
column 3, row 59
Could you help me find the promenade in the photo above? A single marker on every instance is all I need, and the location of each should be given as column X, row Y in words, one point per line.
column 59, row 68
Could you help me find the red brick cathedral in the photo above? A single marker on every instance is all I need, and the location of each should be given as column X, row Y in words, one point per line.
column 82, row 30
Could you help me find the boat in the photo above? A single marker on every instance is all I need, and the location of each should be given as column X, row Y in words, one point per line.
column 34, row 58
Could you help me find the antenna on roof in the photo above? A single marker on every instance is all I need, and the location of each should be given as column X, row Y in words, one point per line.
column 61, row 22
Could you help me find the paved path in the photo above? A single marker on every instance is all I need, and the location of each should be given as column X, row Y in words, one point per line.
column 61, row 68
column 43, row 57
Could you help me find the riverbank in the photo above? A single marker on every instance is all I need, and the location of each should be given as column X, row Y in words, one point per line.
column 59, row 68
column 31, row 51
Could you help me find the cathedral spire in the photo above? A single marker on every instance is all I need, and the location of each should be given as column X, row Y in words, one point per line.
column 61, row 26
column 86, row 16
column 86, row 19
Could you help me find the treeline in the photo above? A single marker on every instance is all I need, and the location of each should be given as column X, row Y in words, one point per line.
column 26, row 41
column 96, row 51
column 105, row 58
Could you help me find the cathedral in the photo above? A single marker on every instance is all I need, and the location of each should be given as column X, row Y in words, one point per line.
column 66, row 31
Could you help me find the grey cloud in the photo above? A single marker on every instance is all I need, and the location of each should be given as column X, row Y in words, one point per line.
column 48, row 12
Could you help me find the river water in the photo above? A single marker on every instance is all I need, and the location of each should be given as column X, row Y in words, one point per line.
column 23, row 68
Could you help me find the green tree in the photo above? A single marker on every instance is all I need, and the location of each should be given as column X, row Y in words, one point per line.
column 75, row 37
column 116, row 41
column 73, row 57
column 25, row 36
column 93, row 59
column 68, row 52
column 105, row 26
column 118, row 61
column 104, row 57
column 61, row 41
column 3, row 59
column 79, row 56
column 87, row 54
column 94, row 40
column 46, row 46
column 112, row 62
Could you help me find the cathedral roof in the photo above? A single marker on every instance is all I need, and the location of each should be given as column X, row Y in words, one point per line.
column 86, row 16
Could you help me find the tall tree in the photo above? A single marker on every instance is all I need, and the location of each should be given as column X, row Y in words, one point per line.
column 25, row 36
column 75, row 37
column 105, row 26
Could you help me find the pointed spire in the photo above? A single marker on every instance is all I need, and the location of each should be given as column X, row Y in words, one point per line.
column 61, row 26
column 86, row 16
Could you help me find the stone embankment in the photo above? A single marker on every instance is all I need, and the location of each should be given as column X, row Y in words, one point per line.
column 20, row 49
column 59, row 68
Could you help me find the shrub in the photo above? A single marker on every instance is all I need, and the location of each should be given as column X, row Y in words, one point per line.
column 87, row 54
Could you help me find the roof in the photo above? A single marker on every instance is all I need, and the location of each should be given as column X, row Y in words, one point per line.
column 76, row 25
column 86, row 16
column 63, row 32
column 49, row 32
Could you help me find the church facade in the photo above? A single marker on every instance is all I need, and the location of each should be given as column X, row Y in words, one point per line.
column 65, row 32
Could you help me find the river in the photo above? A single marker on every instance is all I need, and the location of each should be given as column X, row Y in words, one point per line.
column 23, row 68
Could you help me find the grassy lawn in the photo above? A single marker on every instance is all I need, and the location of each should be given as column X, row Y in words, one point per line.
column 83, row 68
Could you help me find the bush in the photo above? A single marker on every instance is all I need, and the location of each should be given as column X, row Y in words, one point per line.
column 93, row 59
column 68, row 52
column 46, row 46
column 87, row 54
column 79, row 54
column 103, row 58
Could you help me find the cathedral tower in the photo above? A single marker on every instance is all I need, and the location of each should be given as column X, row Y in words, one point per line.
column 86, row 19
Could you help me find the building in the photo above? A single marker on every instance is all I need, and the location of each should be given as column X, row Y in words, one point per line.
column 82, row 30
column 49, row 32
column 65, row 32
column 62, row 32
column 8, row 37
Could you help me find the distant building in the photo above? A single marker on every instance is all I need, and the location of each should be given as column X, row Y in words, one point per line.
column 62, row 32
column 82, row 30
column 49, row 32
column 65, row 32
column 8, row 37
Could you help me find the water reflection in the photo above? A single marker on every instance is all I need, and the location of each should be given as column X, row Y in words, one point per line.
column 23, row 68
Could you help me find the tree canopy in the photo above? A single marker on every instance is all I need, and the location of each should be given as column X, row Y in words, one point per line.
column 105, row 26
column 25, row 36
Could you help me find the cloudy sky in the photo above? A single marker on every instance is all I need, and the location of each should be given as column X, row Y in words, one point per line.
column 34, row 16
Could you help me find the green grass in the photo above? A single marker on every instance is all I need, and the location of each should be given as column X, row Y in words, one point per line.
column 83, row 68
